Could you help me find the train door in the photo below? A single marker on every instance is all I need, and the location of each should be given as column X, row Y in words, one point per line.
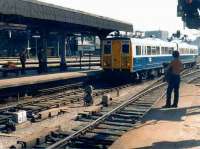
column 107, row 55
column 116, row 54
column 125, row 56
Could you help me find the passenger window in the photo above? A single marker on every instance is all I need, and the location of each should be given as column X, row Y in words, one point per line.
column 143, row 50
column 181, row 51
column 138, row 50
column 125, row 48
column 188, row 51
column 171, row 50
column 153, row 50
column 148, row 50
column 158, row 50
column 166, row 50
column 184, row 51
column 192, row 51
column 107, row 49
column 163, row 50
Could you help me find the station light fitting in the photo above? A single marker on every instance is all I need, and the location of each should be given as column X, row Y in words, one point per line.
column 10, row 33
column 36, row 36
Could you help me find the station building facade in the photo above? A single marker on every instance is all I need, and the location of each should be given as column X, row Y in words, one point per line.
column 157, row 34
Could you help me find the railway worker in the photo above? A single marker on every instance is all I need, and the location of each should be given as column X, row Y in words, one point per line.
column 23, row 56
column 42, row 59
column 175, row 68
column 88, row 99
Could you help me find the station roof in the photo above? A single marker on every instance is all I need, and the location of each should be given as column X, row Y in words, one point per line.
column 44, row 11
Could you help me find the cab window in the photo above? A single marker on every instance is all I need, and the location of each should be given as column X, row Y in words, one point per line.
column 107, row 49
column 125, row 48
column 138, row 50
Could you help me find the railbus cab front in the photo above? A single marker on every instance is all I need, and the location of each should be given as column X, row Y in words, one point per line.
column 117, row 54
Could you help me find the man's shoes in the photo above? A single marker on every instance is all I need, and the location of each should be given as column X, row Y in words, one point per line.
column 174, row 106
column 166, row 106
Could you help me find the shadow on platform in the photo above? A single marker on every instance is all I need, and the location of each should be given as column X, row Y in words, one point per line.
column 171, row 114
column 173, row 145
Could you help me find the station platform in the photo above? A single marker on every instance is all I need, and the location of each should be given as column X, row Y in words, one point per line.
column 53, row 65
column 173, row 128
column 30, row 80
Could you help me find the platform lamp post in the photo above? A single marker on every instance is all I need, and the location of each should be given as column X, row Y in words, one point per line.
column 36, row 47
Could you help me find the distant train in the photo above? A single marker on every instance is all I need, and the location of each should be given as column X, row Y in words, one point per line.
column 143, row 56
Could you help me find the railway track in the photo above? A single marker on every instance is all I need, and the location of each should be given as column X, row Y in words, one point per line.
column 67, row 96
column 105, row 127
column 195, row 79
column 108, row 125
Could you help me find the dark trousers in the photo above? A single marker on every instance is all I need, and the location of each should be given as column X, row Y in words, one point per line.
column 173, row 84
column 23, row 63
column 42, row 67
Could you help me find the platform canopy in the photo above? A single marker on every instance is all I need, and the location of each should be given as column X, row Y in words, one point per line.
column 34, row 10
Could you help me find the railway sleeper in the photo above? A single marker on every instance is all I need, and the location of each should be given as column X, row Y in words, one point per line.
column 126, row 116
column 83, row 145
column 120, row 120
column 120, row 128
column 134, row 107
column 51, row 139
column 108, row 132
column 97, row 137
column 144, row 104
column 84, row 120
column 94, row 142
column 150, row 97
column 131, row 114
column 89, row 117
column 60, row 134
column 41, row 146
column 51, row 113
column 129, row 108
column 146, row 101
column 134, row 112
column 118, row 124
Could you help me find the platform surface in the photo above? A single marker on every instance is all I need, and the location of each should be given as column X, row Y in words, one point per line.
column 168, row 128
column 14, row 82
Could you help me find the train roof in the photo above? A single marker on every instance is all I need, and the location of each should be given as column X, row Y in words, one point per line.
column 155, row 42
column 117, row 38
column 152, row 42
column 182, row 44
